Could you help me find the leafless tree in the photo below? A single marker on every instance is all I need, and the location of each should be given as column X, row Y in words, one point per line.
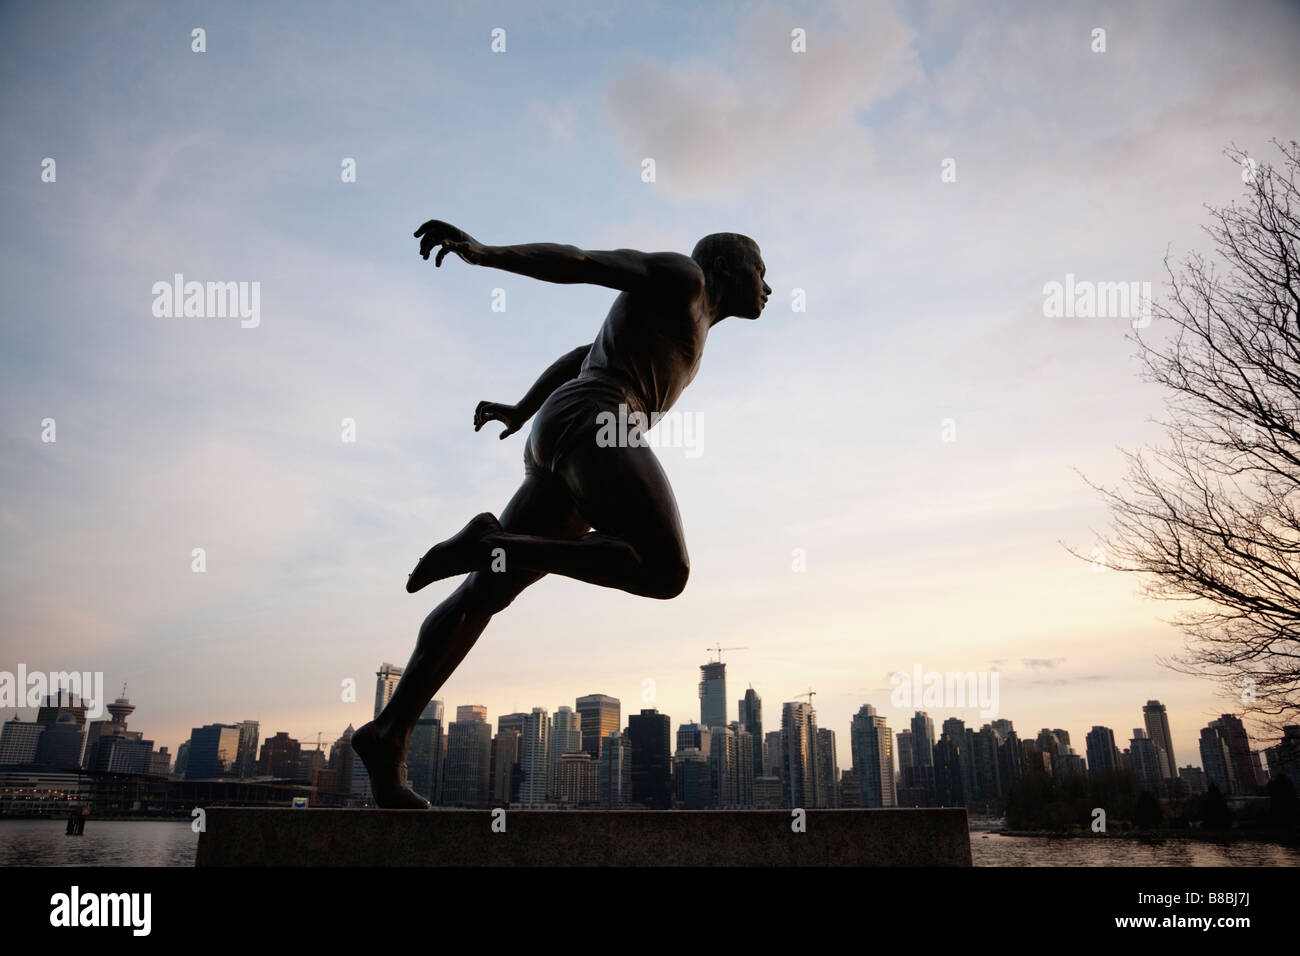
column 1212, row 516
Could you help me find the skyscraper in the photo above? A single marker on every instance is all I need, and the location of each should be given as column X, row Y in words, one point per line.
column 918, row 776
column 126, row 753
column 576, row 780
column 1103, row 755
column 773, row 754
column 799, row 778
column 19, row 740
column 1227, row 758
column 650, row 733
column 751, row 718
column 511, row 722
column 466, row 778
column 342, row 758
column 906, row 753
column 213, row 748
column 1245, row 764
column 692, row 780
column 386, row 680
column 160, row 763
column 964, row 738
column 506, row 724
column 1011, row 757
column 62, row 701
column 1050, row 743
column 566, row 738
column 280, row 757
column 535, row 757
column 828, row 770
column 424, row 754
column 850, row 790
column 1284, row 757
column 1216, row 759
column 615, row 771
column 767, row 793
column 744, row 766
column 1038, row 754
column 601, row 716
column 506, row 769
column 694, row 735
column 62, row 744
column 873, row 758
column 311, row 762
column 722, row 766
column 467, row 712
column 988, row 770
column 182, row 759
column 949, row 781
column 1157, row 725
column 922, row 740
column 1193, row 778
column 1148, row 768
column 713, row 694
column 246, row 753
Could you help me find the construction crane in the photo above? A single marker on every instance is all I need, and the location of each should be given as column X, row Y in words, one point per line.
column 809, row 695
column 721, row 649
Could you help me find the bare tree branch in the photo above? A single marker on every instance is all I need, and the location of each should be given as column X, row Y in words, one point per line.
column 1212, row 517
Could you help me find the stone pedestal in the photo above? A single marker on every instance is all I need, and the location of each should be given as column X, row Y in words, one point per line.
column 237, row 836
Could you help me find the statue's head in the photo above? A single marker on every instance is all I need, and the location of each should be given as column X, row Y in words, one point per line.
column 733, row 268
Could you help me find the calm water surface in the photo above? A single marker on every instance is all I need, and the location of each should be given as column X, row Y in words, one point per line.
column 105, row 843
column 993, row 849
column 172, row 843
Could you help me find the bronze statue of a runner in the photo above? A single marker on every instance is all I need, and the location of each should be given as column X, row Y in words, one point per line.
column 597, row 511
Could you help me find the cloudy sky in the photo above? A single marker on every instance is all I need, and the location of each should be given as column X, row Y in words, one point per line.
column 822, row 430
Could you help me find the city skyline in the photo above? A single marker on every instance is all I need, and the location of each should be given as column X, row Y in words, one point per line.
column 585, row 757
column 905, row 720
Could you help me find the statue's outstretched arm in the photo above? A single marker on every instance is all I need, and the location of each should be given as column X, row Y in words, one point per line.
column 623, row 269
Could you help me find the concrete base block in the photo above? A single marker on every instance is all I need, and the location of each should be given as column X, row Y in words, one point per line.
column 237, row 836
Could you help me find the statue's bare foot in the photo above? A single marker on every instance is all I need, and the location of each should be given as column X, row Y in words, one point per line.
column 383, row 762
column 457, row 555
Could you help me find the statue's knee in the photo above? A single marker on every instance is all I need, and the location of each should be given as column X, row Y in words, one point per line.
column 670, row 579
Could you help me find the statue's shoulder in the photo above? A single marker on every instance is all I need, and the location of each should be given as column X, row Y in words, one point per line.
column 675, row 272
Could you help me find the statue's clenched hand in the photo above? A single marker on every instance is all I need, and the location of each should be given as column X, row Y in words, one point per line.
column 435, row 232
column 508, row 415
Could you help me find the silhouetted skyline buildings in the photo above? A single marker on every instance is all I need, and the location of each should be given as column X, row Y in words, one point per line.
column 581, row 755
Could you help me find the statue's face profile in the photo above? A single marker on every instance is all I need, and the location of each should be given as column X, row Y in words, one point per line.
column 747, row 291
column 762, row 289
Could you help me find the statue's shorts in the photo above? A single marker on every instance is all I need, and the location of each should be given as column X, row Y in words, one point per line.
column 572, row 415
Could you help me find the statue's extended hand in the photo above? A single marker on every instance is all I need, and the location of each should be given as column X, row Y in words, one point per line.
column 508, row 415
column 469, row 250
column 435, row 232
